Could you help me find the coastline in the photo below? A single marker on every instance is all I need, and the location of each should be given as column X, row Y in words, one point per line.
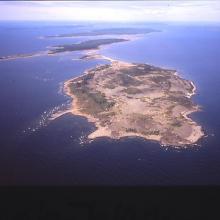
column 196, row 133
column 54, row 52
column 100, row 131
column 74, row 106
column 24, row 56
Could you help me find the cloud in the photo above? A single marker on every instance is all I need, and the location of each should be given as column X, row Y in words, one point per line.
column 193, row 11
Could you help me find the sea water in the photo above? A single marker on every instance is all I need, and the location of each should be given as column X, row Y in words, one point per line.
column 36, row 151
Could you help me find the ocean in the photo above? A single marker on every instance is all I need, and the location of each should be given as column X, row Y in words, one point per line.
column 37, row 151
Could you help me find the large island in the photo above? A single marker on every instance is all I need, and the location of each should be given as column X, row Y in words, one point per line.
column 129, row 99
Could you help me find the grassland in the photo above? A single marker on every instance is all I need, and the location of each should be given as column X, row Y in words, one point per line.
column 130, row 99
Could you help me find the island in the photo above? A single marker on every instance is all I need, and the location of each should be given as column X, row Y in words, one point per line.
column 27, row 55
column 106, row 31
column 132, row 99
column 84, row 45
column 125, row 99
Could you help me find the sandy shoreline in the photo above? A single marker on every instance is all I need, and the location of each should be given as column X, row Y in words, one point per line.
column 75, row 107
column 48, row 52
column 100, row 131
column 24, row 56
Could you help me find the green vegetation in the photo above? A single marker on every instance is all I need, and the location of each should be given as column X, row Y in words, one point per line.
column 132, row 90
column 181, row 100
column 90, row 102
column 160, row 79
column 102, row 67
column 133, row 130
column 109, row 86
column 126, row 80
column 85, row 45
column 151, row 132
column 159, row 117
column 141, row 121
column 141, row 70
column 176, row 123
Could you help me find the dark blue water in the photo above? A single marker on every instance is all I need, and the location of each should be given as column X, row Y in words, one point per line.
column 53, row 155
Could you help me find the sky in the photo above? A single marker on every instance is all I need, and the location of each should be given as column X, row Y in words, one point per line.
column 123, row 11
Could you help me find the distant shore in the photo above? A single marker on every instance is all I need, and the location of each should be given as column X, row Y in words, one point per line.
column 82, row 46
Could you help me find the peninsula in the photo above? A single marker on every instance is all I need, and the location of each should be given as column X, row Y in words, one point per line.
column 106, row 31
column 84, row 45
column 131, row 99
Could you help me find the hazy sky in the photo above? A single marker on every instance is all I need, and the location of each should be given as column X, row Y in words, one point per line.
column 193, row 11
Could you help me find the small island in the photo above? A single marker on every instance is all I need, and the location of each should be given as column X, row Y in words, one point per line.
column 131, row 99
